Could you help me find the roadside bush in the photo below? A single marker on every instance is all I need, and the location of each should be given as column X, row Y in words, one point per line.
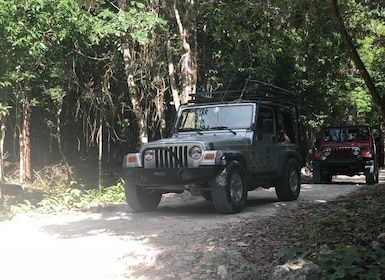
column 60, row 199
column 346, row 240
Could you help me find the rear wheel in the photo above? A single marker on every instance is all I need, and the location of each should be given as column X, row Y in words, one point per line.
column 141, row 200
column 229, row 193
column 290, row 185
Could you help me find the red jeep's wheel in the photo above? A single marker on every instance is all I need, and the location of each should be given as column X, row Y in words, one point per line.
column 229, row 191
column 141, row 200
column 371, row 177
column 317, row 174
column 328, row 178
column 289, row 187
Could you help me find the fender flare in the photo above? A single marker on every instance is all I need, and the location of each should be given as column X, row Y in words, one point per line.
column 232, row 155
column 284, row 158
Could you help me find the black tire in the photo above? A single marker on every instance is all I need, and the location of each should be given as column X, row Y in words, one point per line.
column 371, row 177
column 317, row 174
column 140, row 199
column 229, row 191
column 207, row 196
column 328, row 178
column 290, row 186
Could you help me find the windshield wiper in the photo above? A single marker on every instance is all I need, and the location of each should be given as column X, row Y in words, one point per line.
column 223, row 128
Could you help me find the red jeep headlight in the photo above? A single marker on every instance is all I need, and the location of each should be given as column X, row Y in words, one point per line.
column 356, row 151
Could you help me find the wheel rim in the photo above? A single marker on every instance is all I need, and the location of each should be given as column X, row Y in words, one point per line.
column 236, row 187
column 293, row 181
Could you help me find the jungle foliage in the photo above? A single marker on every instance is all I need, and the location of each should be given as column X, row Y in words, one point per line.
column 83, row 82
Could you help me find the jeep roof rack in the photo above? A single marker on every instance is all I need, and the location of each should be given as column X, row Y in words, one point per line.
column 265, row 92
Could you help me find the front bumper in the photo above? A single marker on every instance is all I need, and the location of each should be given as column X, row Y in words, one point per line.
column 160, row 177
column 344, row 167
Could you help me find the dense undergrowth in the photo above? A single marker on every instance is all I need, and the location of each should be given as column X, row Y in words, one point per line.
column 347, row 240
column 60, row 199
column 58, row 188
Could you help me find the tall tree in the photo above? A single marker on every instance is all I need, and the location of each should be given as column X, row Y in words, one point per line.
column 356, row 58
column 188, row 64
column 136, row 26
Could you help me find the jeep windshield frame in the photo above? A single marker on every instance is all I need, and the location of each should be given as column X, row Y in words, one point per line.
column 216, row 117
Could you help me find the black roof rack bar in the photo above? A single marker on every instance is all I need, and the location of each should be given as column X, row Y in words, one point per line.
column 284, row 97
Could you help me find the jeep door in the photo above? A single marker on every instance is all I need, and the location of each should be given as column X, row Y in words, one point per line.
column 265, row 143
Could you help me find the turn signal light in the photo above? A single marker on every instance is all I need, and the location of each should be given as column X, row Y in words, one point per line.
column 209, row 156
column 131, row 159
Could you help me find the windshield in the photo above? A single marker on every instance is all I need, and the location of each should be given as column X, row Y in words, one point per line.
column 216, row 117
column 347, row 134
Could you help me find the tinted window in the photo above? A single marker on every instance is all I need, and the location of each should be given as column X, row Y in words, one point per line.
column 347, row 134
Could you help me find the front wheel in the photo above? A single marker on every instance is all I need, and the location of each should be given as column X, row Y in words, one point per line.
column 207, row 196
column 317, row 174
column 371, row 177
column 141, row 200
column 289, row 187
column 229, row 193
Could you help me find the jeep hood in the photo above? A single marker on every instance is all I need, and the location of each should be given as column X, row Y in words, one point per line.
column 217, row 141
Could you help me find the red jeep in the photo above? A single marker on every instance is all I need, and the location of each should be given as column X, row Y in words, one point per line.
column 346, row 150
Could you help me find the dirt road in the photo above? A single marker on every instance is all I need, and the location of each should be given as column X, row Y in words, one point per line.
column 178, row 241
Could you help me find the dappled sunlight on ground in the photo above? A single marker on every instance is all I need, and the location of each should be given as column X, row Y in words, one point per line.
column 72, row 247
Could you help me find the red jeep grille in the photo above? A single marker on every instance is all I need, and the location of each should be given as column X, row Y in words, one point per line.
column 342, row 153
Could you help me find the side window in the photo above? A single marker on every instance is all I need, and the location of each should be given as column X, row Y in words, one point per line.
column 285, row 124
column 265, row 120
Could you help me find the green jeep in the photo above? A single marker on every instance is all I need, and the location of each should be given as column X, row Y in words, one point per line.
column 222, row 145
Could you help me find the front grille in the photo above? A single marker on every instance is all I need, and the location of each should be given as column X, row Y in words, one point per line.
column 170, row 157
column 342, row 153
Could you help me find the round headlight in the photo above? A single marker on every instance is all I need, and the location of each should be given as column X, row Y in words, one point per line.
column 327, row 152
column 148, row 155
column 195, row 152
column 356, row 151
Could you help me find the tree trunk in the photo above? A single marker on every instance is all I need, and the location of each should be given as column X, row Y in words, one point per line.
column 25, row 144
column 356, row 58
column 171, row 74
column 188, row 63
column 128, row 57
column 59, row 142
column 159, row 102
column 2, row 137
column 134, row 97
column 100, row 145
